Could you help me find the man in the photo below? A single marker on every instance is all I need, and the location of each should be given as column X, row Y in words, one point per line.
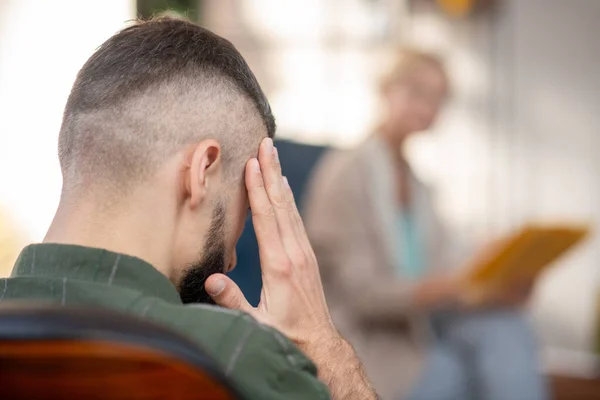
column 158, row 150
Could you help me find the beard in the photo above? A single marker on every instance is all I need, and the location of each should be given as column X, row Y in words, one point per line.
column 192, row 287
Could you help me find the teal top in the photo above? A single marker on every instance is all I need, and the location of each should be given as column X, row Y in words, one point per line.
column 411, row 260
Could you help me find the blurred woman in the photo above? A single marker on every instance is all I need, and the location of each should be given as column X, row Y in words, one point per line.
column 384, row 257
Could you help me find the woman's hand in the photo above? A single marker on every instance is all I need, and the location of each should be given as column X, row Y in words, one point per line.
column 513, row 295
column 437, row 291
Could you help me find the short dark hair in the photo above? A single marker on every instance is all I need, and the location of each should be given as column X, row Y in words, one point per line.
column 139, row 84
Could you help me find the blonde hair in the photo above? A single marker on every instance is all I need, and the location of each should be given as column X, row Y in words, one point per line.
column 407, row 61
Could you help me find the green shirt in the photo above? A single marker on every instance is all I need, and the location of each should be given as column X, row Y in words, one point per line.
column 258, row 360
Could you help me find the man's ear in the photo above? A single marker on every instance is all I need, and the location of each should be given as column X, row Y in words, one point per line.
column 203, row 163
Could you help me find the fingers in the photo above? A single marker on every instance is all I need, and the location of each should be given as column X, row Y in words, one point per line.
column 263, row 215
column 274, row 260
column 299, row 230
column 283, row 243
column 278, row 195
column 226, row 293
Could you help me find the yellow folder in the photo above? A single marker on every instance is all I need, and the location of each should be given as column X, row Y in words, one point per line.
column 524, row 254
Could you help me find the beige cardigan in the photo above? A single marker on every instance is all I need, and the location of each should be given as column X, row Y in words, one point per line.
column 351, row 214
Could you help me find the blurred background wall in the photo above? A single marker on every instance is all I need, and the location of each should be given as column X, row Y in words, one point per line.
column 42, row 46
column 518, row 141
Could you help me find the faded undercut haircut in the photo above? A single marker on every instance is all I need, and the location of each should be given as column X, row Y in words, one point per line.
column 151, row 90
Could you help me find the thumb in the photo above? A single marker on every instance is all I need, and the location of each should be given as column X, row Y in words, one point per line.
column 226, row 293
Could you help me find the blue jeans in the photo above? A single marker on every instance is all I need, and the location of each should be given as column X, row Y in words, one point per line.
column 484, row 356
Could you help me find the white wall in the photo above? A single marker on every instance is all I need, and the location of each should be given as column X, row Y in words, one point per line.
column 520, row 141
column 42, row 46
column 551, row 61
column 315, row 59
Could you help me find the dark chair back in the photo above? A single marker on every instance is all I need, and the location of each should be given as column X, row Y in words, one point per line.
column 53, row 352
column 297, row 162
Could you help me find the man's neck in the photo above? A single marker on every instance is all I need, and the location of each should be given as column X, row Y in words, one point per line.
column 118, row 229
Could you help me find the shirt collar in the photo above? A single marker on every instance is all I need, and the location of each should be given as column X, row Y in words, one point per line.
column 94, row 265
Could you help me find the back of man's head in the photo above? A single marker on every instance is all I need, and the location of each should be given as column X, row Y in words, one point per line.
column 149, row 91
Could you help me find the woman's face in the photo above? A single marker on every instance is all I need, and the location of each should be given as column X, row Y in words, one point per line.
column 414, row 102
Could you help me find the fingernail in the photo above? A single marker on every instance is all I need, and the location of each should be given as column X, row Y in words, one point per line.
column 286, row 183
column 276, row 154
column 216, row 288
column 255, row 165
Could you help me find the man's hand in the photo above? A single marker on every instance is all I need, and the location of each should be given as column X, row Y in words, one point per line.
column 292, row 298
